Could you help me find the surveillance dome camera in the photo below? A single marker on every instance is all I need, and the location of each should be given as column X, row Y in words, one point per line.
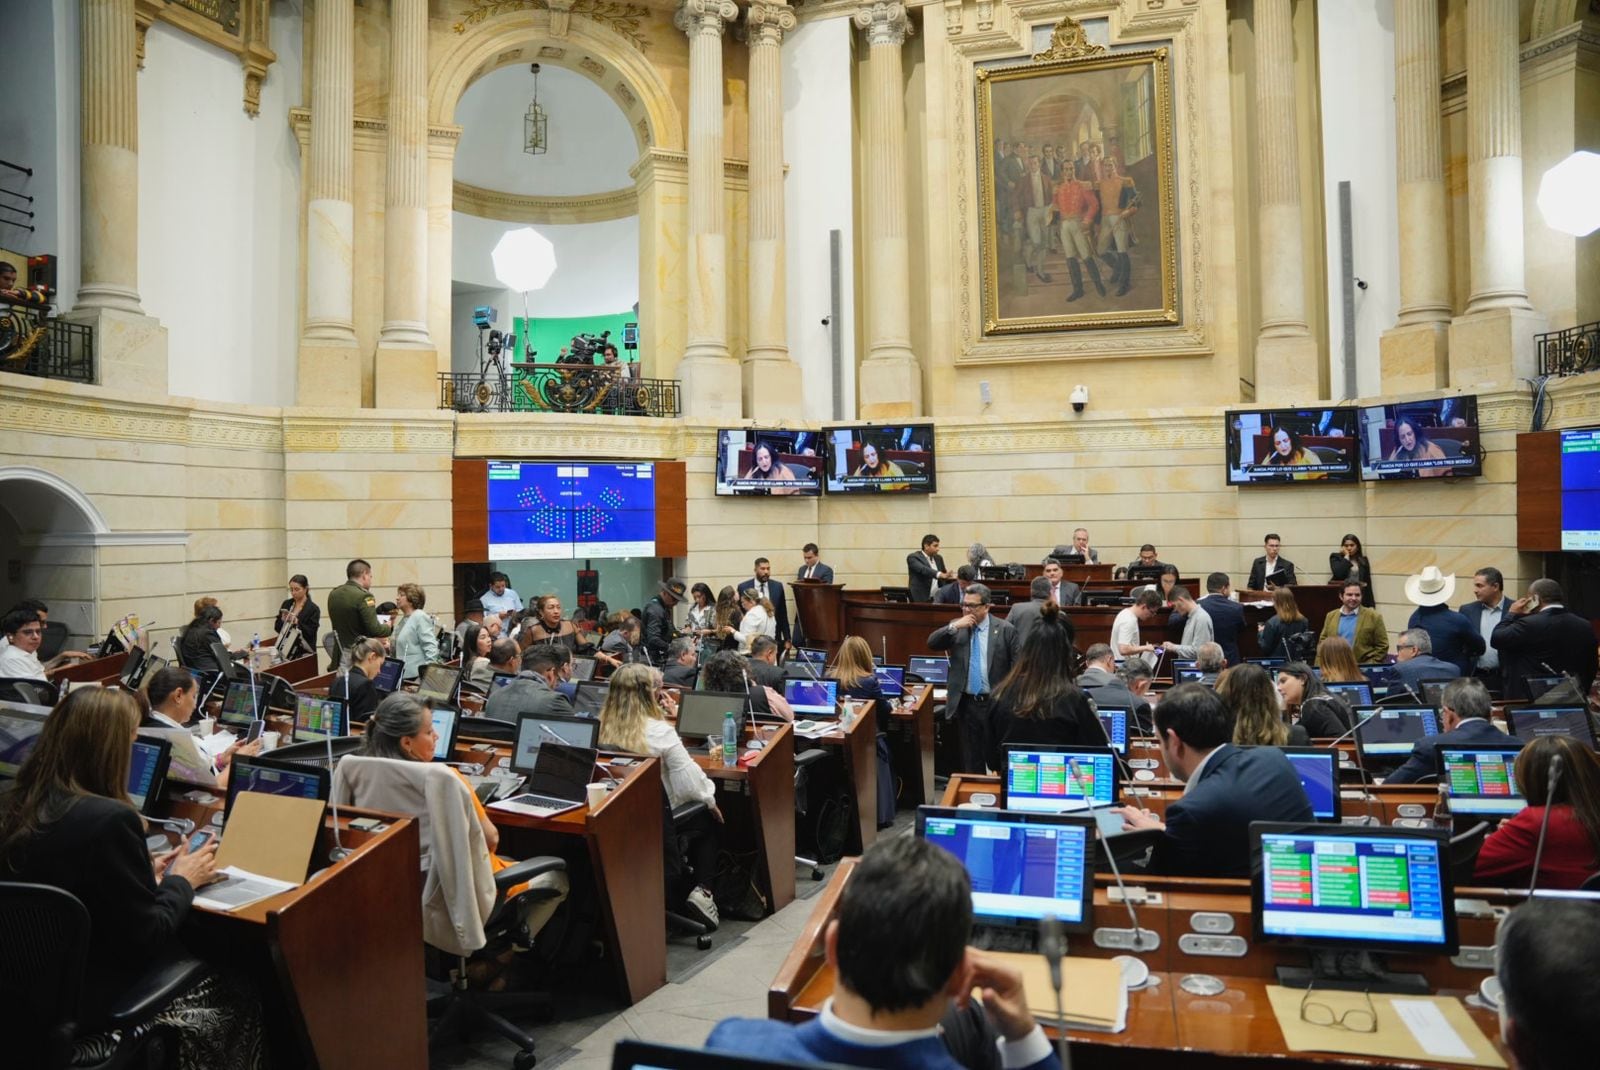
column 1079, row 397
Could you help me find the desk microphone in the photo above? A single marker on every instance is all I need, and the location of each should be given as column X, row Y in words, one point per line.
column 1361, row 765
column 1554, row 778
column 1352, row 730
column 883, row 647
column 1053, row 946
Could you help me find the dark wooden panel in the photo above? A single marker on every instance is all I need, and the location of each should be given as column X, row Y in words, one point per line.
column 1539, row 491
column 469, row 506
column 672, row 509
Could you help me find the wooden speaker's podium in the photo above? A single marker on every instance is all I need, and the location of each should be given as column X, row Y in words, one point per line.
column 820, row 610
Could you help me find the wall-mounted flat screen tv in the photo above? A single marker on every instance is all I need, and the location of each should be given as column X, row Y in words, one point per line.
column 1291, row 446
column 752, row 461
column 1421, row 439
column 881, row 459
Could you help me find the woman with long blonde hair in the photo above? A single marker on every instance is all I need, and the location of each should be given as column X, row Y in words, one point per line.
column 633, row 720
column 854, row 669
column 1337, row 660
column 1252, row 698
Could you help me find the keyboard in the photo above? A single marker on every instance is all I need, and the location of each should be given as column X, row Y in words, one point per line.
column 537, row 805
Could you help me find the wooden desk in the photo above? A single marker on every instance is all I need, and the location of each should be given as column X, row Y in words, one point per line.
column 858, row 749
column 295, row 671
column 765, row 822
column 911, row 737
column 319, row 954
column 1166, row 1026
column 622, row 840
column 92, row 671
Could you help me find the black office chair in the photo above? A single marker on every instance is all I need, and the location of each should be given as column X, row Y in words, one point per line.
column 28, row 691
column 1464, row 848
column 676, row 819
column 44, row 940
column 803, row 760
column 490, row 728
column 315, row 751
column 54, row 641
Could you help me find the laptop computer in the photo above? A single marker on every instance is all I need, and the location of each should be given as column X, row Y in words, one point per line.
column 701, row 713
column 534, row 730
column 445, row 722
column 438, row 684
column 583, row 668
column 812, row 698
column 1528, row 723
column 558, row 782
column 590, row 697
column 388, row 678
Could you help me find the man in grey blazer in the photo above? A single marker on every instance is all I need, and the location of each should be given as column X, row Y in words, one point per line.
column 972, row 681
column 813, row 568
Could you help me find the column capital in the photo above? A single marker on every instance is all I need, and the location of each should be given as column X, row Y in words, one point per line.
column 885, row 21
column 704, row 18
column 766, row 21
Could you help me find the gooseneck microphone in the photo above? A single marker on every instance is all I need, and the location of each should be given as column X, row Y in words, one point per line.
column 1554, row 778
column 1361, row 765
column 1053, row 946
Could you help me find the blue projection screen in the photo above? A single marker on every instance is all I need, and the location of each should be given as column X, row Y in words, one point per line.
column 542, row 511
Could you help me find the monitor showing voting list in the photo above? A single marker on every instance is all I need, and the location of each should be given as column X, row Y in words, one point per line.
column 1022, row 866
column 243, row 703
column 1391, row 730
column 571, row 511
column 1580, row 489
column 1482, row 780
column 1348, row 886
column 317, row 718
column 1053, row 780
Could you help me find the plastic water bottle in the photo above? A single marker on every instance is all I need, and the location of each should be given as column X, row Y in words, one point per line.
column 730, row 740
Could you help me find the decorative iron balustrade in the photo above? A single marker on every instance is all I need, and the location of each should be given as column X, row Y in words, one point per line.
column 557, row 388
column 31, row 344
column 1570, row 352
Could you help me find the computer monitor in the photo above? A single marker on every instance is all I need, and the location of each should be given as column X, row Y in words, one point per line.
column 1022, row 865
column 1380, row 674
column 275, row 777
column 318, row 718
column 812, row 698
column 1114, row 720
column 148, row 667
column 1355, row 694
column 437, row 684
column 1391, row 730
column 389, row 677
column 1482, row 780
column 879, row 659
column 589, row 696
column 500, row 680
column 932, row 670
column 132, row 666
column 891, row 679
column 1356, row 887
column 1530, row 722
column 640, row 1055
column 583, row 669
column 1537, row 685
column 1175, row 664
column 1272, row 665
column 446, row 719
column 1188, row 676
column 700, row 713
column 146, row 770
column 1053, row 780
column 19, row 731
column 1318, row 769
column 804, row 653
column 241, row 703
column 1432, row 691
column 536, row 729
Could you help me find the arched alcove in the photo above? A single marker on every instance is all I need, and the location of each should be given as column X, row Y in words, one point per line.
column 51, row 532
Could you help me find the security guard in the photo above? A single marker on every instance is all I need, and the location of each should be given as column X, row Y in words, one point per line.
column 352, row 610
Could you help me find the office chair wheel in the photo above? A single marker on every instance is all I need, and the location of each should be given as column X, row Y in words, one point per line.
column 816, row 874
column 703, row 942
column 524, row 1060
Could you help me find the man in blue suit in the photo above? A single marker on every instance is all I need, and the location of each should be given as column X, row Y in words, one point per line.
column 1486, row 610
column 1225, row 788
column 1227, row 616
column 1414, row 661
column 772, row 591
column 1464, row 715
column 898, row 949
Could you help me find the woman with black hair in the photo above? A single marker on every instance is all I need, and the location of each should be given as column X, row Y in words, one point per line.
column 298, row 609
column 1038, row 701
column 1349, row 564
column 196, row 639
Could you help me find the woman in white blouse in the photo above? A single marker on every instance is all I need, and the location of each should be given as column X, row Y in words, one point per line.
column 633, row 720
column 758, row 619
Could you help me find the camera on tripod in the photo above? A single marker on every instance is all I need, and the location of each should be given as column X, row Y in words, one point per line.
column 585, row 347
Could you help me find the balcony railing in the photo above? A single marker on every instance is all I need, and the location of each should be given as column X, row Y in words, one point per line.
column 553, row 388
column 30, row 344
column 1570, row 352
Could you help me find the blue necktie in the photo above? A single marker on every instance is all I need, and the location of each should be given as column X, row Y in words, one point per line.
column 977, row 663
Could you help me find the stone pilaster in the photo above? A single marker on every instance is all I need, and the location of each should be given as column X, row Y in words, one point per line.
column 772, row 386
column 890, row 376
column 1412, row 354
column 711, row 377
column 1286, row 355
column 1493, row 340
column 406, row 359
column 329, row 365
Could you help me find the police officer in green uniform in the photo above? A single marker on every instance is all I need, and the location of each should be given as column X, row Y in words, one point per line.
column 352, row 610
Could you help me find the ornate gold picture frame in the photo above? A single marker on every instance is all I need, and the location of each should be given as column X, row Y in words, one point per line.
column 1077, row 209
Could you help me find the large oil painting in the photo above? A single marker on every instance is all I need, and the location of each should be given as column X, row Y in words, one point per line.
column 1076, row 191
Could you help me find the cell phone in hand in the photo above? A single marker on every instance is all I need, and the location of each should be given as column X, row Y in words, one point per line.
column 255, row 730
column 201, row 838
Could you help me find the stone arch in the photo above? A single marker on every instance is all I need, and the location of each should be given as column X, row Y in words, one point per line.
column 1548, row 16
column 41, row 502
column 49, row 536
column 623, row 69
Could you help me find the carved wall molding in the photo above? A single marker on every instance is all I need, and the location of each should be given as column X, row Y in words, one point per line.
column 521, row 208
column 240, row 27
column 550, row 435
column 625, row 19
column 368, row 431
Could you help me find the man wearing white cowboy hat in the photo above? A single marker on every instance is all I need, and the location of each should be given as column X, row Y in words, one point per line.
column 1454, row 638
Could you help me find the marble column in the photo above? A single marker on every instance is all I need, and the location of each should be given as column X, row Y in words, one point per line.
column 404, row 376
column 1287, row 356
column 1492, row 341
column 711, row 377
column 329, row 365
column 130, row 347
column 1412, row 354
column 772, row 384
column 890, row 376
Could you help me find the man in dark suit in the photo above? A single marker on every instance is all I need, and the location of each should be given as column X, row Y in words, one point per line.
column 772, row 591
column 1269, row 568
column 762, row 664
column 1024, row 615
column 1414, row 660
column 682, row 665
column 1540, row 631
column 1464, row 716
column 1063, row 592
column 1225, row 788
column 973, row 679
column 950, row 593
column 813, row 568
column 925, row 570
column 1101, row 683
column 1484, row 613
column 1227, row 617
column 1080, row 545
column 534, row 689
